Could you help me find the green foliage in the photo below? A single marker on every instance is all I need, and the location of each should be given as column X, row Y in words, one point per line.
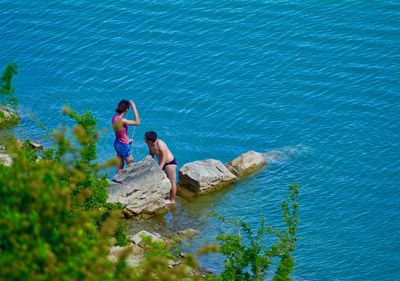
column 156, row 248
column 42, row 236
column 159, row 260
column 54, row 220
column 80, row 157
column 55, row 223
column 7, row 91
column 8, row 99
column 86, row 133
column 286, row 245
column 121, row 234
column 247, row 258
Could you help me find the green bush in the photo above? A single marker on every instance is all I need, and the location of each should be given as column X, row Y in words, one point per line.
column 8, row 100
column 246, row 255
column 42, row 237
column 7, row 91
column 121, row 234
column 55, row 223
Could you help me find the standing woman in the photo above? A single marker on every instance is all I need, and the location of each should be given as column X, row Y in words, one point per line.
column 120, row 126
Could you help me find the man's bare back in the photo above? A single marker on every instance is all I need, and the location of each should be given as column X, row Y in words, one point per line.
column 161, row 150
column 166, row 160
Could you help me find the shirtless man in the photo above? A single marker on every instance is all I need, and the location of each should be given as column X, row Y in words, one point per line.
column 166, row 160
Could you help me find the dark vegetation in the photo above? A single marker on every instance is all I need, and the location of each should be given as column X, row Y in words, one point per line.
column 8, row 99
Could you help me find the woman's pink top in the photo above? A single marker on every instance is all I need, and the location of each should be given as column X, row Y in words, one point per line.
column 121, row 130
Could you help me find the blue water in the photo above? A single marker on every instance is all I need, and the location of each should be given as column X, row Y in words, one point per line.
column 317, row 81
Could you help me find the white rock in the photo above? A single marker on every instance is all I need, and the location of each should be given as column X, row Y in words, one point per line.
column 246, row 163
column 205, row 175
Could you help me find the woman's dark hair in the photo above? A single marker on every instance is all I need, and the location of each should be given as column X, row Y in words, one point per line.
column 123, row 105
column 151, row 136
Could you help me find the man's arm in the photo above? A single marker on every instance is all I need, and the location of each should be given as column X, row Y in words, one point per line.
column 163, row 151
column 151, row 153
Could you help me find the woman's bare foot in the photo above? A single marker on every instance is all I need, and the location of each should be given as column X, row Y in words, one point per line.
column 169, row 202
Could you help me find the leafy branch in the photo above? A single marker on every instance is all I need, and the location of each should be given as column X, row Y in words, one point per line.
column 246, row 257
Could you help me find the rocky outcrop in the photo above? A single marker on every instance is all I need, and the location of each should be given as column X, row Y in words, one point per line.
column 199, row 177
column 140, row 188
column 8, row 116
column 205, row 175
column 246, row 164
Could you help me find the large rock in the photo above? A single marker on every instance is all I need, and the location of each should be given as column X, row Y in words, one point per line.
column 205, row 175
column 8, row 116
column 140, row 188
column 246, row 163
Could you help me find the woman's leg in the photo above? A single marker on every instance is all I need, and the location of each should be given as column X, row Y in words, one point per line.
column 120, row 163
column 129, row 160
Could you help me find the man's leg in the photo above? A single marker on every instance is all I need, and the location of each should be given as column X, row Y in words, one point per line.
column 171, row 174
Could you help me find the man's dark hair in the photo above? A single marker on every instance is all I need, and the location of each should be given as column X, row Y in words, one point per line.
column 123, row 105
column 151, row 136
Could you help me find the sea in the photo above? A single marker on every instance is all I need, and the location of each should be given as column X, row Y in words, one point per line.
column 314, row 82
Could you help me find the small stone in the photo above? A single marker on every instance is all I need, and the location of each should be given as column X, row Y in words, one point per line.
column 36, row 145
column 183, row 255
column 138, row 237
column 135, row 257
column 188, row 233
column 5, row 159
column 172, row 263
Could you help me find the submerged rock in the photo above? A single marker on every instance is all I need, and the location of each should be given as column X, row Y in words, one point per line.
column 246, row 164
column 205, row 175
column 140, row 188
column 188, row 233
